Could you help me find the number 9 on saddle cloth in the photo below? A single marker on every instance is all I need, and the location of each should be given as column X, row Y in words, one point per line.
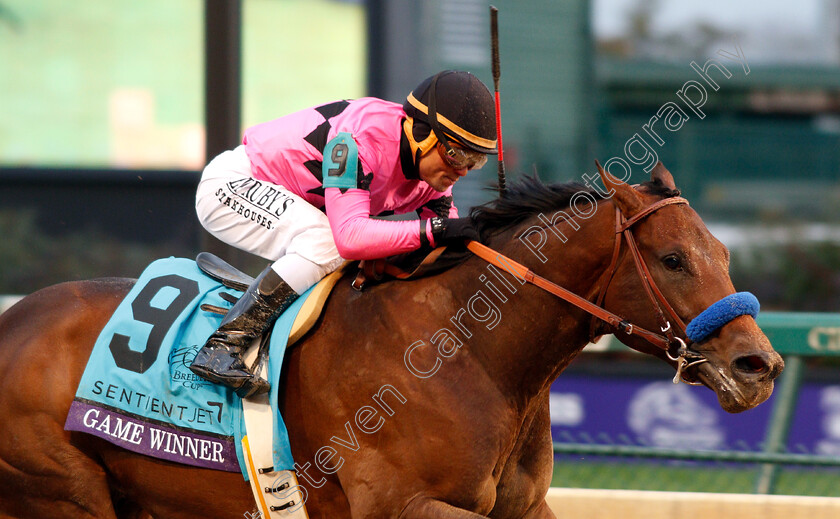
column 137, row 391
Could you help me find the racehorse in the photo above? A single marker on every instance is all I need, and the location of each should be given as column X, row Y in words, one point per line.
column 425, row 398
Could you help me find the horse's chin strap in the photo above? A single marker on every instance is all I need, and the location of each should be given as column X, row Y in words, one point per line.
column 675, row 348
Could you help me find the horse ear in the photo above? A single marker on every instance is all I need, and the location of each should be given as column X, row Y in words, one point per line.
column 663, row 176
column 624, row 196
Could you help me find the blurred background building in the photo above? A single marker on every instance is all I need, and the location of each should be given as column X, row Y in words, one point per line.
column 102, row 132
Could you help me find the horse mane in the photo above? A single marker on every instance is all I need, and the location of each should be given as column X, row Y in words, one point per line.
column 530, row 197
column 524, row 199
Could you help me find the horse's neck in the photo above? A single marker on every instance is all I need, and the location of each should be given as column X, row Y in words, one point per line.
column 538, row 334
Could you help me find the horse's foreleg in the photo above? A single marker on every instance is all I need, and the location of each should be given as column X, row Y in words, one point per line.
column 429, row 508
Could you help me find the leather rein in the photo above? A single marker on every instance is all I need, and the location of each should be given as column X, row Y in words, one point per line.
column 673, row 345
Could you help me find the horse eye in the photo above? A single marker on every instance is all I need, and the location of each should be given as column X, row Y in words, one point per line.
column 672, row 262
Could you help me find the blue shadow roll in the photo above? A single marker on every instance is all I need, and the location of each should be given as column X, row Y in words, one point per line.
column 720, row 313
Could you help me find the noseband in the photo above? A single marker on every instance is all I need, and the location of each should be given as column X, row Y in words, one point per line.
column 671, row 343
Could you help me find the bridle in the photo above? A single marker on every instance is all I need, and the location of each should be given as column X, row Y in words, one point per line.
column 671, row 342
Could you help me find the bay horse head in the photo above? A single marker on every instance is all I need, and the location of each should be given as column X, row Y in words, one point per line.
column 676, row 283
column 646, row 268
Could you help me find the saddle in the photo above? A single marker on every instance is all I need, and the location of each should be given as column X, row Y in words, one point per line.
column 235, row 279
column 403, row 267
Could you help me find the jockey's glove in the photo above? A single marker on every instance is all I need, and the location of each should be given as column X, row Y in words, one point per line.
column 453, row 231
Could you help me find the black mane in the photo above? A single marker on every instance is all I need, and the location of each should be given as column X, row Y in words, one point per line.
column 524, row 199
column 530, row 196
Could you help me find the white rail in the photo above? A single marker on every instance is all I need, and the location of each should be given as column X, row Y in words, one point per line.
column 577, row 503
column 6, row 301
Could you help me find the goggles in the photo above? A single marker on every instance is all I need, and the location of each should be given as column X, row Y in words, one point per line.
column 460, row 158
column 456, row 158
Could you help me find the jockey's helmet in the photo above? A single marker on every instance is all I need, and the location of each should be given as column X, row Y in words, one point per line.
column 451, row 106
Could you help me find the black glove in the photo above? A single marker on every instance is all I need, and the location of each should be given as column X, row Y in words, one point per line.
column 453, row 231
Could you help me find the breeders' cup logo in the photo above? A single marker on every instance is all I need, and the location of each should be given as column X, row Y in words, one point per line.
column 829, row 445
column 666, row 415
column 565, row 409
column 180, row 360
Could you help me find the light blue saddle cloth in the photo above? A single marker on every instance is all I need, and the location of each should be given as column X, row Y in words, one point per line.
column 137, row 391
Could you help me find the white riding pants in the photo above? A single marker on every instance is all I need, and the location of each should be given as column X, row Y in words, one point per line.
column 265, row 219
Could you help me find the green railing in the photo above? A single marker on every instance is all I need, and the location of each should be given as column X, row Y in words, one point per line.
column 796, row 336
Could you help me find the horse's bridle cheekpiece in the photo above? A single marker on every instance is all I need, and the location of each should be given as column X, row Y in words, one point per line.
column 671, row 342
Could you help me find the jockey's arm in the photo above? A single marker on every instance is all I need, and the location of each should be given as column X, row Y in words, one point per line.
column 358, row 236
column 347, row 199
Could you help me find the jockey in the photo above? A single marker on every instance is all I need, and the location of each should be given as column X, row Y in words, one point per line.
column 301, row 191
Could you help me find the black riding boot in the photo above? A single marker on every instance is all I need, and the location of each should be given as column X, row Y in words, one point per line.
column 220, row 360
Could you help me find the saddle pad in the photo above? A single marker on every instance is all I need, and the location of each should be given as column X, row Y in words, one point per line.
column 137, row 391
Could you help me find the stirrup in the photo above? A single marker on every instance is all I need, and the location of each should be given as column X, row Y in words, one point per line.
column 253, row 386
column 256, row 384
column 217, row 363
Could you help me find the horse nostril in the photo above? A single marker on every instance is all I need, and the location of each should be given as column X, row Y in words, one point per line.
column 751, row 365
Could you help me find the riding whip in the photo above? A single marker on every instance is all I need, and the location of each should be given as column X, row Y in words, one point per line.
column 494, row 44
